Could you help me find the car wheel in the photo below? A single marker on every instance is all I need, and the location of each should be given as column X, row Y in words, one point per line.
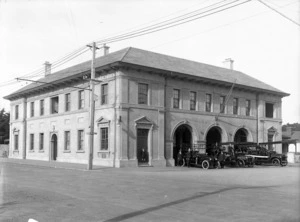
column 240, row 163
column 276, row 162
column 205, row 164
column 283, row 164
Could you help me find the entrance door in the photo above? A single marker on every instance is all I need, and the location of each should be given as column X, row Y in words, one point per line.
column 213, row 137
column 142, row 146
column 54, row 147
column 182, row 141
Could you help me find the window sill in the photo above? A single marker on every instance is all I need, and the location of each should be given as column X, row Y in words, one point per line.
column 68, row 151
column 15, row 151
column 31, row 151
column 41, row 151
column 80, row 151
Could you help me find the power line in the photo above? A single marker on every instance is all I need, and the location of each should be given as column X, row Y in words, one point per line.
column 162, row 26
column 149, row 26
column 279, row 12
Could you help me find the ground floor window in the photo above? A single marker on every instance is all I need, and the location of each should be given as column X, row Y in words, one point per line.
column 31, row 141
column 67, row 140
column 16, row 142
column 41, row 141
column 80, row 140
column 104, row 138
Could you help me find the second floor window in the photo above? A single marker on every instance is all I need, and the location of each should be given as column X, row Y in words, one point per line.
column 32, row 109
column 142, row 93
column 54, row 105
column 235, row 106
column 176, row 98
column 81, row 99
column 248, row 107
column 104, row 138
column 31, row 137
column 41, row 141
column 67, row 140
column 104, row 94
column 67, row 102
column 222, row 104
column 269, row 110
column 17, row 112
column 208, row 103
column 192, row 100
column 42, row 108
column 80, row 140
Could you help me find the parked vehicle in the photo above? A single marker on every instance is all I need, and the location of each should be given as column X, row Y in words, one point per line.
column 236, row 157
column 197, row 158
column 265, row 156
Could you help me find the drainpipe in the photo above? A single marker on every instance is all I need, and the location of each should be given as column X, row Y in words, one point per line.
column 24, row 128
column 257, row 120
column 165, row 118
column 115, row 117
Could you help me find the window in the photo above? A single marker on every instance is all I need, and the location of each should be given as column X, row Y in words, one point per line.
column 16, row 142
column 17, row 112
column 41, row 141
column 104, row 138
column 222, row 104
column 31, row 147
column 80, row 140
column 248, row 107
column 143, row 93
column 67, row 102
column 104, row 93
column 235, row 106
column 192, row 100
column 32, row 109
column 176, row 98
column 208, row 103
column 269, row 110
column 270, row 140
column 81, row 99
column 42, row 108
column 54, row 105
column 67, row 140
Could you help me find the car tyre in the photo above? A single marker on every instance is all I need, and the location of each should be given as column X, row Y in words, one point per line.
column 276, row 162
column 240, row 163
column 205, row 164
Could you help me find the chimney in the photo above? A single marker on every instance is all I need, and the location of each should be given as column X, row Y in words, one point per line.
column 104, row 50
column 230, row 61
column 47, row 68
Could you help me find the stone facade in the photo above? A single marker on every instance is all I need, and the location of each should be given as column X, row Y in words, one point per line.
column 134, row 110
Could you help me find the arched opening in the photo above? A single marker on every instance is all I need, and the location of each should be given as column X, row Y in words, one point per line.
column 213, row 136
column 240, row 136
column 53, row 147
column 182, row 140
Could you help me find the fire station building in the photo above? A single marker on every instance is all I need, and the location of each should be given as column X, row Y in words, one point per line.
column 147, row 107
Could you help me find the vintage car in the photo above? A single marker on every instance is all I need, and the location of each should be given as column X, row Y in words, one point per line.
column 263, row 156
column 237, row 157
column 198, row 158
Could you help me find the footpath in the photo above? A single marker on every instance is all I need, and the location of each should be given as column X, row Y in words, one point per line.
column 52, row 164
column 73, row 166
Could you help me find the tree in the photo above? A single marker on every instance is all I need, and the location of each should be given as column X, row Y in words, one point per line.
column 4, row 125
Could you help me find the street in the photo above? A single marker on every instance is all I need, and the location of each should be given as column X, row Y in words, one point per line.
column 262, row 193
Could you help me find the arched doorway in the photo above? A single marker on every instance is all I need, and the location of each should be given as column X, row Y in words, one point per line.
column 213, row 136
column 182, row 140
column 241, row 136
column 53, row 147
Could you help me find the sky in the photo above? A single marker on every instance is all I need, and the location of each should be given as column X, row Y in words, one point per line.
column 262, row 43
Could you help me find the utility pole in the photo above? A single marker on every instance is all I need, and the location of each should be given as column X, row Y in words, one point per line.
column 92, row 109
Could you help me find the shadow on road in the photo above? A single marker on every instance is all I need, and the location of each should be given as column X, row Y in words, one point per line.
column 198, row 195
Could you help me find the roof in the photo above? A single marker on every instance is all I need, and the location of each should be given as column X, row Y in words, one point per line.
column 296, row 135
column 160, row 62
